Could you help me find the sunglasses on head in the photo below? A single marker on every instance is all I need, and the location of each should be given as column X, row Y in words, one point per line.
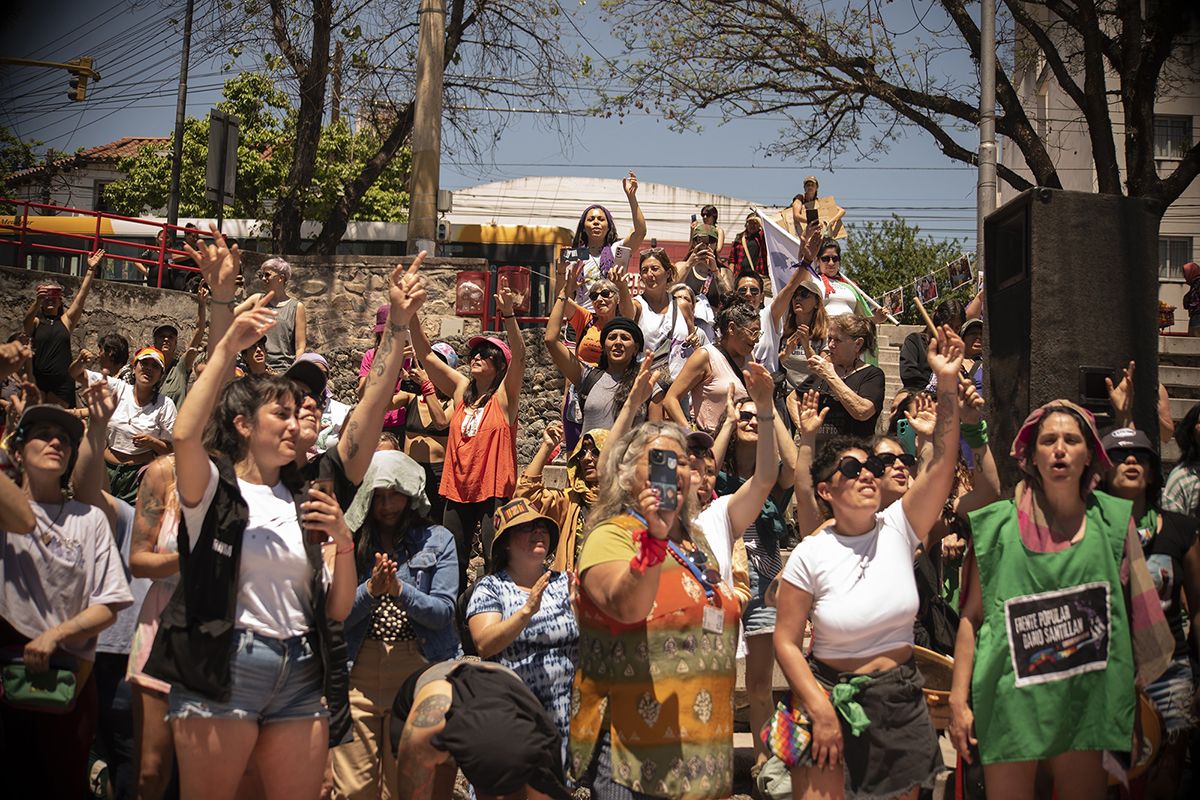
column 831, row 259
column 851, row 467
column 596, row 294
column 907, row 459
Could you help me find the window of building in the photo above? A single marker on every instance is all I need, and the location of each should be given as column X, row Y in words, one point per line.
column 1173, row 253
column 1172, row 135
column 98, row 201
column 1042, row 111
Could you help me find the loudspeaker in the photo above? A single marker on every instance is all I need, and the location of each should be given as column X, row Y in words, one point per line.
column 1072, row 296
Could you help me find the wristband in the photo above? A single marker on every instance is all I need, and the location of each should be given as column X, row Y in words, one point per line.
column 561, row 297
column 427, row 388
column 508, row 316
column 651, row 551
column 342, row 552
column 212, row 301
column 976, row 436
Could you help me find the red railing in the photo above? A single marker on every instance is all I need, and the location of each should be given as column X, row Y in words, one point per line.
column 23, row 229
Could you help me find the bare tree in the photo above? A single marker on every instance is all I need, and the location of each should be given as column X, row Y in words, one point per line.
column 499, row 55
column 836, row 73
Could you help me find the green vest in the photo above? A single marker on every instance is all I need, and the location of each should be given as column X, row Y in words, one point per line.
column 1054, row 660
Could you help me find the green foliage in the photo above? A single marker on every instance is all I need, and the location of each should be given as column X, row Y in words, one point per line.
column 881, row 256
column 15, row 154
column 267, row 132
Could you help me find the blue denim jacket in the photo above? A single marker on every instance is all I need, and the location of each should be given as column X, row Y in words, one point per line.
column 430, row 581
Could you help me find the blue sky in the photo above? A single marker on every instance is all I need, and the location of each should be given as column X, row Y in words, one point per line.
column 137, row 53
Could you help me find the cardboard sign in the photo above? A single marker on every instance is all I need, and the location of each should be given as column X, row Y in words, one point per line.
column 1054, row 635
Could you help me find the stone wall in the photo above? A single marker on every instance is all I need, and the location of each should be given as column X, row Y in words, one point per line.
column 340, row 296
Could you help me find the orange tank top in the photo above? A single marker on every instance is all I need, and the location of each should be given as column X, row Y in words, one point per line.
column 481, row 454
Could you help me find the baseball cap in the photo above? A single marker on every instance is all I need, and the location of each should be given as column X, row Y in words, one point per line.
column 970, row 325
column 381, row 315
column 46, row 412
column 500, row 343
column 310, row 375
column 447, row 353
column 152, row 353
column 1127, row 439
column 699, row 440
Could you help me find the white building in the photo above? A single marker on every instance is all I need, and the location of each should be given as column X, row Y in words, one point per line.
column 1061, row 125
column 78, row 181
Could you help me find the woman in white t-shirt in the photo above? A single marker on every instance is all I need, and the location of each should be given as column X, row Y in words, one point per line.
column 664, row 324
column 271, row 710
column 597, row 232
column 854, row 578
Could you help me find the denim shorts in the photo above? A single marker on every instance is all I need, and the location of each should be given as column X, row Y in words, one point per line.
column 273, row 680
column 1172, row 696
column 758, row 617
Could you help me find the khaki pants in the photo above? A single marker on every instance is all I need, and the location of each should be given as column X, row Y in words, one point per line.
column 365, row 767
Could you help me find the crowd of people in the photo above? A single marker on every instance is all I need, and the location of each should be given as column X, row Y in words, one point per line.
column 222, row 581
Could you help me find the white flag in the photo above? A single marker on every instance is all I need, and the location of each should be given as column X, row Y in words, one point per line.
column 783, row 251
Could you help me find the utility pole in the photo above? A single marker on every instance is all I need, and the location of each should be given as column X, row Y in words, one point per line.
column 335, row 101
column 180, row 116
column 985, row 193
column 427, row 128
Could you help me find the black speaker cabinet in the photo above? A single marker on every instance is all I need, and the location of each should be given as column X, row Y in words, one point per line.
column 1072, row 297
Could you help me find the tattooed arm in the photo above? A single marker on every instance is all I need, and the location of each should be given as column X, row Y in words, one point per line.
column 923, row 503
column 407, row 292
column 153, row 495
column 418, row 762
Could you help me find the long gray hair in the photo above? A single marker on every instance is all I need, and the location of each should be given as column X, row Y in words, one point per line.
column 618, row 470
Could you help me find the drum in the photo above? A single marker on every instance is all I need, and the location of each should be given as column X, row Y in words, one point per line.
column 938, row 672
column 1147, row 738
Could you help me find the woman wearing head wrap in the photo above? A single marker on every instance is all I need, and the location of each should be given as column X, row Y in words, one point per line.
column 597, row 232
column 1051, row 676
column 402, row 614
column 600, row 391
column 520, row 614
column 567, row 507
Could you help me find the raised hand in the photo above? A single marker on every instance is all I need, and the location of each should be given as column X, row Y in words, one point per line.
column 922, row 415
column 970, row 403
column 645, row 380
column 13, row 356
column 323, row 514
column 406, row 290
column 534, row 603
column 946, row 354
column 94, row 258
column 100, row 401
column 810, row 414
column 1121, row 395
column 731, row 412
column 760, row 386
column 820, row 366
column 249, row 327
column 552, row 436
column 506, row 298
column 575, row 277
column 648, row 504
column 630, row 185
column 219, row 264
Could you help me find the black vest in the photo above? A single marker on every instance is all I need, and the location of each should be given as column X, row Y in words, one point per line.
column 195, row 638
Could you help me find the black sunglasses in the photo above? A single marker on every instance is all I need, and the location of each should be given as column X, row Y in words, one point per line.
column 831, row 258
column 598, row 293
column 887, row 459
column 750, row 290
column 1118, row 455
column 746, row 416
column 803, row 293
column 851, row 467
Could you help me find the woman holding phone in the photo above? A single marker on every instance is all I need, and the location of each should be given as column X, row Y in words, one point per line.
column 646, row 575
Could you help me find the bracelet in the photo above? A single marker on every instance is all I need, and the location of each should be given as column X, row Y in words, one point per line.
column 212, row 301
column 342, row 552
column 562, row 297
column 976, row 436
column 768, row 418
column 652, row 551
column 508, row 316
column 427, row 388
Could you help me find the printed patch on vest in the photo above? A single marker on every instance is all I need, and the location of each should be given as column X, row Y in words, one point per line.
column 1054, row 635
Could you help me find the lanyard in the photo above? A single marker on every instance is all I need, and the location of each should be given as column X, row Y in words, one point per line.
column 682, row 558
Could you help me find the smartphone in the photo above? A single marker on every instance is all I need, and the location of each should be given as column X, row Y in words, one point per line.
column 621, row 254
column 574, row 254
column 408, row 363
column 907, row 436
column 324, row 485
column 664, row 466
column 811, row 215
column 693, row 217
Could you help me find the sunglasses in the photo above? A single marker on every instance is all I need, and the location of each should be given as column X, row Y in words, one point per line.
column 887, row 459
column 831, row 259
column 1119, row 455
column 596, row 294
column 751, row 291
column 747, row 416
column 852, row 468
column 804, row 294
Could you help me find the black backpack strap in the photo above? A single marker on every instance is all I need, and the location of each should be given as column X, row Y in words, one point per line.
column 591, row 377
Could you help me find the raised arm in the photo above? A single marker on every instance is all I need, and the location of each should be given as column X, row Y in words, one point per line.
column 16, row 515
column 986, row 488
column 725, row 432
column 781, row 301
column 148, row 513
column 88, row 477
column 437, row 411
column 639, row 394
column 808, row 417
column 566, row 361
column 451, row 382
column 221, row 267
column 301, row 332
column 750, row 497
column 552, row 437
column 193, row 348
column 406, row 291
column 31, row 314
column 71, row 318
column 509, row 394
column 638, row 235
column 923, row 502
column 191, row 458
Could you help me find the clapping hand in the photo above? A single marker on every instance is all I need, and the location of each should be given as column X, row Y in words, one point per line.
column 760, row 386
column 820, row 365
column 383, row 577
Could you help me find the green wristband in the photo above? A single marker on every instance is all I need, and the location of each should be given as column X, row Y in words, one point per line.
column 976, row 436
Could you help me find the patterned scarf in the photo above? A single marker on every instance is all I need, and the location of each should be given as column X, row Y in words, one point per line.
column 581, row 493
column 1153, row 644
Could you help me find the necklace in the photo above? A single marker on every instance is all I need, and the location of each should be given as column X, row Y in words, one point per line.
column 46, row 534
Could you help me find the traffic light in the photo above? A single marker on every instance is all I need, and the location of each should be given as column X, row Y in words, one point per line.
column 79, row 79
column 443, row 230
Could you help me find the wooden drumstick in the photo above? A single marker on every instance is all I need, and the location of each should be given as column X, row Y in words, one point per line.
column 925, row 316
